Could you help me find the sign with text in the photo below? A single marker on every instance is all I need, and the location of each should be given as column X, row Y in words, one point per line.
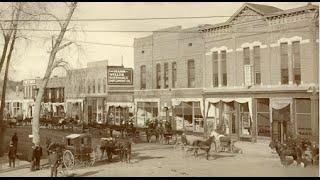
column 120, row 76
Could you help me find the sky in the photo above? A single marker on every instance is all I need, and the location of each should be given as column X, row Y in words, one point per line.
column 31, row 57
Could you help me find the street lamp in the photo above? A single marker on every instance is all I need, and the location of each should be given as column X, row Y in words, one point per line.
column 166, row 108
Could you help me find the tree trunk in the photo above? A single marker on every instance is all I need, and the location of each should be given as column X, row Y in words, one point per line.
column 4, row 54
column 50, row 67
column 4, row 87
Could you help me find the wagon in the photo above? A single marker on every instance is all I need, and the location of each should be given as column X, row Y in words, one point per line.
column 78, row 151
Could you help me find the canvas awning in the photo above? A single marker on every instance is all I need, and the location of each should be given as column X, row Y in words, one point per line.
column 177, row 102
column 208, row 101
column 121, row 104
column 279, row 103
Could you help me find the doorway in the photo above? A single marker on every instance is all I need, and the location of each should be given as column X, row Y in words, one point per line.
column 280, row 123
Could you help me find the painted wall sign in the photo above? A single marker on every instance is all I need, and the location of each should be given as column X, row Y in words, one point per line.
column 120, row 76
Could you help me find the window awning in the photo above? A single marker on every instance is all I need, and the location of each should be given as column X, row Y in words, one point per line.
column 177, row 101
column 239, row 100
column 279, row 103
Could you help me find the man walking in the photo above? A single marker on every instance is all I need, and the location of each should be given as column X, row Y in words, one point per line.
column 12, row 155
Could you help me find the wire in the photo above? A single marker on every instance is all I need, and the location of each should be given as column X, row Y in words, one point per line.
column 138, row 19
column 140, row 31
column 88, row 42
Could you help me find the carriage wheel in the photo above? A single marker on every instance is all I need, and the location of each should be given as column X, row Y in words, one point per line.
column 68, row 159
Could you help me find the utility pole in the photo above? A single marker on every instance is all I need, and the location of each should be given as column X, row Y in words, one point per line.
column 122, row 60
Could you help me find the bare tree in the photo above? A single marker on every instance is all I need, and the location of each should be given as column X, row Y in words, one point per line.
column 9, row 37
column 52, row 64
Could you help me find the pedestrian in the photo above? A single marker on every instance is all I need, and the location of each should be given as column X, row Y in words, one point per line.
column 14, row 140
column 54, row 163
column 38, row 155
column 33, row 158
column 12, row 155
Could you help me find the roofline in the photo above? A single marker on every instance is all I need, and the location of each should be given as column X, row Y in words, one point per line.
column 288, row 11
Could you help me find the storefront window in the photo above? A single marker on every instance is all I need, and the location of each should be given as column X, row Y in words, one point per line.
column 263, row 117
column 146, row 111
column 245, row 120
column 303, row 116
column 189, row 116
column 213, row 118
column 228, row 125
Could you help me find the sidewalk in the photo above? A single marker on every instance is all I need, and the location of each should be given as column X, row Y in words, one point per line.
column 4, row 165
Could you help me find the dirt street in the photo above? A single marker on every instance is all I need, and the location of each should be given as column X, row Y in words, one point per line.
column 162, row 160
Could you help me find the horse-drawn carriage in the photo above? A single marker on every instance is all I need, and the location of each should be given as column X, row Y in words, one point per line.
column 221, row 143
column 162, row 131
column 75, row 151
column 116, row 146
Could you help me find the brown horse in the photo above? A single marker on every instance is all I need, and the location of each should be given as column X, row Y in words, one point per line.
column 203, row 145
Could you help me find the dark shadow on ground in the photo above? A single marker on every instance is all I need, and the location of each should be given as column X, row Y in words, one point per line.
column 89, row 173
column 135, row 156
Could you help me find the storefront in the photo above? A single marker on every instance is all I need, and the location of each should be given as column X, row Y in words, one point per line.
column 188, row 114
column 119, row 112
column 28, row 108
column 96, row 110
column 231, row 116
column 74, row 108
column 146, row 109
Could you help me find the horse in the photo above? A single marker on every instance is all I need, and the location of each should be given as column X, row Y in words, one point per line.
column 203, row 145
column 221, row 142
column 153, row 130
column 113, row 146
column 294, row 147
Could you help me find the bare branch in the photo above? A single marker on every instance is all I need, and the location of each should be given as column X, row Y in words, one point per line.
column 64, row 46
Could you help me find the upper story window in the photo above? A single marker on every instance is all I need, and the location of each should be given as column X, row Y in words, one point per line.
column 224, row 67
column 143, row 77
column 256, row 61
column 158, row 75
column 93, row 86
column 296, row 62
column 166, row 75
column 174, row 74
column 191, row 74
column 104, row 85
column 89, row 87
column 215, row 78
column 284, row 63
column 99, row 86
column 246, row 56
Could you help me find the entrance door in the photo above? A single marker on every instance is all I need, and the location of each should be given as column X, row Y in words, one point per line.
column 90, row 114
column 280, row 121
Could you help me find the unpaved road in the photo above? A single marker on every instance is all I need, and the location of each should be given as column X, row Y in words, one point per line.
column 162, row 160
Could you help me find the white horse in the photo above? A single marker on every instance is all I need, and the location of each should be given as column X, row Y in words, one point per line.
column 217, row 137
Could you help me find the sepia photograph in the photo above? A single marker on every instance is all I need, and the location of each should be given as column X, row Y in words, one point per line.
column 159, row 89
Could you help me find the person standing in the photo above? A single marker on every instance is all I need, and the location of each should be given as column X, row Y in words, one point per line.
column 12, row 155
column 14, row 140
column 54, row 163
column 38, row 155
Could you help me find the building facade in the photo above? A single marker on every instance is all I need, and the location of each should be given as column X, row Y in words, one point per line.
column 93, row 98
column 254, row 76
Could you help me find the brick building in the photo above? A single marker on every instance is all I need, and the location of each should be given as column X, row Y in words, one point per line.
column 92, row 98
column 254, row 76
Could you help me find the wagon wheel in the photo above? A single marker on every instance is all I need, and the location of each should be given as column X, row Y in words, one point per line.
column 68, row 159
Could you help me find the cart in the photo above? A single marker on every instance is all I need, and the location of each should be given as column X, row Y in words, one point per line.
column 78, row 151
